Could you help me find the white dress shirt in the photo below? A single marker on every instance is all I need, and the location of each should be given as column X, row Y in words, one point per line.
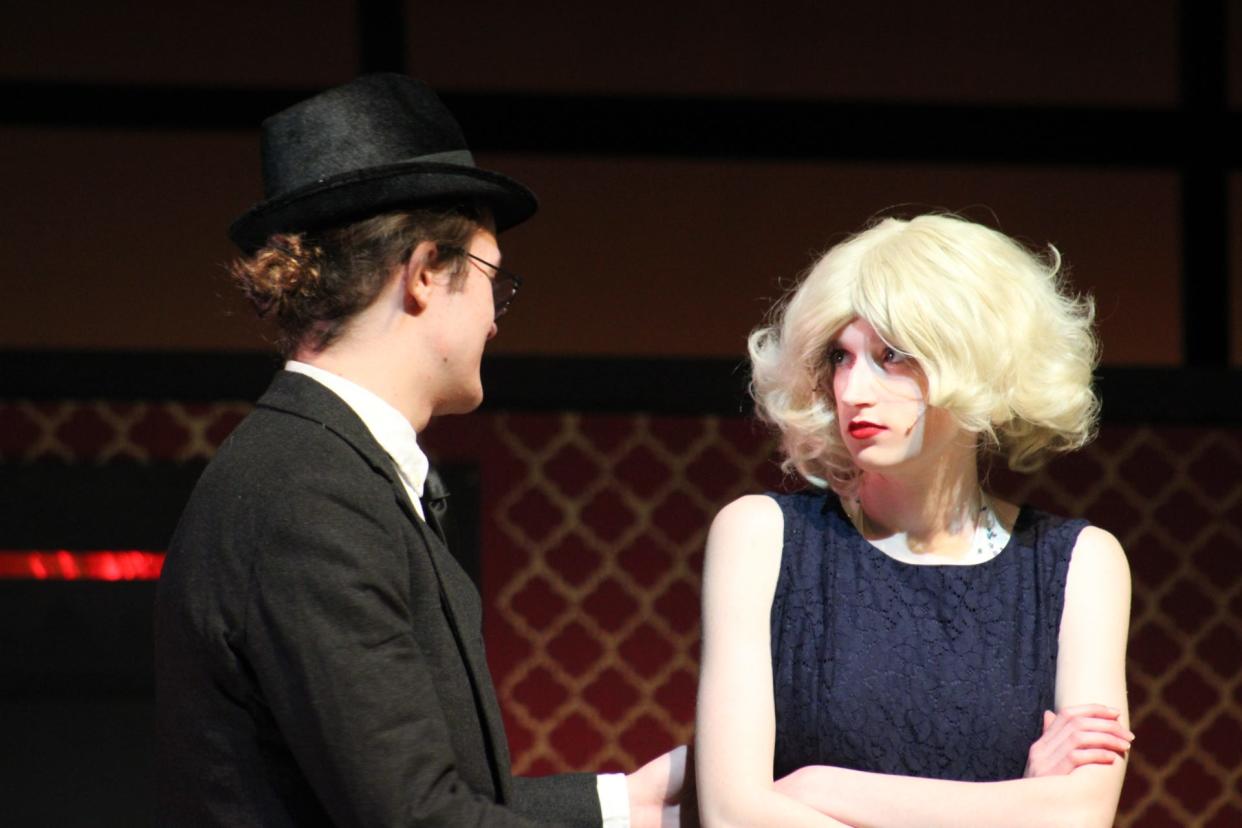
column 387, row 425
column 397, row 437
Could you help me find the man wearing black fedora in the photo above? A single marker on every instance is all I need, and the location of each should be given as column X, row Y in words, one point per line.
column 319, row 657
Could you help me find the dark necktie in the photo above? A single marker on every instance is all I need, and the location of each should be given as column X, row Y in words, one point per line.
column 435, row 504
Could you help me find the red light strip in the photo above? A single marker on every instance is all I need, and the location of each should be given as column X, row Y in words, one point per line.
column 67, row 565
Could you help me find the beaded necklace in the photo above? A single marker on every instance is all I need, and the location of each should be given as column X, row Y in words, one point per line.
column 988, row 541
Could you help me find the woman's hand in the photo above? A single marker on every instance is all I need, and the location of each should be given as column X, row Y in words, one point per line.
column 1089, row 734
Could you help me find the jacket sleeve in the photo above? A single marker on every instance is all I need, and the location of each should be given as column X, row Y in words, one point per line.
column 329, row 637
column 565, row 799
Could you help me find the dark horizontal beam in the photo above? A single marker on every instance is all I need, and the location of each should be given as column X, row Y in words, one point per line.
column 854, row 131
column 75, row 639
column 88, row 105
column 120, row 504
column 123, row 375
column 692, row 127
column 537, row 383
column 658, row 385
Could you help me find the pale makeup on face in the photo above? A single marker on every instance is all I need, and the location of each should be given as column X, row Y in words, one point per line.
column 891, row 430
column 880, row 396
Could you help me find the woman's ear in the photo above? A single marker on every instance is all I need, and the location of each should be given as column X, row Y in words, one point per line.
column 418, row 275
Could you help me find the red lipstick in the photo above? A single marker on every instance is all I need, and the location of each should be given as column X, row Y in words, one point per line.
column 863, row 430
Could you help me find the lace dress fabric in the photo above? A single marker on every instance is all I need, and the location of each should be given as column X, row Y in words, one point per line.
column 923, row 670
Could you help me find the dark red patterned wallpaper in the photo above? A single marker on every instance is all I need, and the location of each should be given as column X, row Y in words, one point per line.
column 592, row 535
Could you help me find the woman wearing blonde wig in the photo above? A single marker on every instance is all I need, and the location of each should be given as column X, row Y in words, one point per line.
column 879, row 646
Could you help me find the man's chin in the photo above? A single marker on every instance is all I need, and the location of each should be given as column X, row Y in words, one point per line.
column 460, row 405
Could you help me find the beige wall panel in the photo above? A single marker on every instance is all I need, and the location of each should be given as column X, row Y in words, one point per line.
column 241, row 42
column 118, row 242
column 117, row 239
column 677, row 257
column 1057, row 51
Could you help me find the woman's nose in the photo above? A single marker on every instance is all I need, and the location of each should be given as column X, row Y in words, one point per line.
column 859, row 385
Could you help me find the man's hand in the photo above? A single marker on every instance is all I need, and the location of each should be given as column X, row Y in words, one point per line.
column 656, row 790
column 1089, row 734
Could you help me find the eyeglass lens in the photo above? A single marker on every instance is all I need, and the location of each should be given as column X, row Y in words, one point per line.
column 504, row 288
column 505, row 283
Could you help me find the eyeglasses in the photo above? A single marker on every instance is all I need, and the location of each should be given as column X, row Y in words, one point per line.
column 505, row 283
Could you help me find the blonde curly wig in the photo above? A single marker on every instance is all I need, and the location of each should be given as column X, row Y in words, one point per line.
column 1005, row 348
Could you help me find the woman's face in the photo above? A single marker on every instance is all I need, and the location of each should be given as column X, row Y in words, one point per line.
column 881, row 402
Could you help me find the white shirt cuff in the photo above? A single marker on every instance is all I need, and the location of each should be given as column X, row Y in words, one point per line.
column 614, row 799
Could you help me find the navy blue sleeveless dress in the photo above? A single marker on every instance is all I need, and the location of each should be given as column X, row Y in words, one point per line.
column 922, row 670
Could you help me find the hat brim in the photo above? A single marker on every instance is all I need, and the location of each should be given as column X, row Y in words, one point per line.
column 354, row 196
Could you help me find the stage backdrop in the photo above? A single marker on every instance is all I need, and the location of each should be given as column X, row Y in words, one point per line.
column 590, row 531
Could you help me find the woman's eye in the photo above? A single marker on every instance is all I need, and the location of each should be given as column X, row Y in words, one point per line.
column 893, row 357
column 836, row 356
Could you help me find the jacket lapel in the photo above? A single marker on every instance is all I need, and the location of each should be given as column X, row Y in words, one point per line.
column 457, row 596
column 303, row 397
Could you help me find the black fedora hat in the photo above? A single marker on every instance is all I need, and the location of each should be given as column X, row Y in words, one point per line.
column 381, row 142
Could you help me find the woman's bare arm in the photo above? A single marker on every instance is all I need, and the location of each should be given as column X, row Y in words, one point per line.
column 735, row 725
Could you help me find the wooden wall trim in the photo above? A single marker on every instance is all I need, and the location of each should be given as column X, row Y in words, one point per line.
column 544, row 383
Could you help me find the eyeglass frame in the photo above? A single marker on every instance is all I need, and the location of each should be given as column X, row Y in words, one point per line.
column 503, row 277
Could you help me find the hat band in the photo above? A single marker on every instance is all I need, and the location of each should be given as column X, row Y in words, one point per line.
column 461, row 157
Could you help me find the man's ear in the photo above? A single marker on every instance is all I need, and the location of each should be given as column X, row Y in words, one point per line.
column 418, row 275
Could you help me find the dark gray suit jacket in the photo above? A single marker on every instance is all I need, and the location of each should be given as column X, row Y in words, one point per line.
column 319, row 653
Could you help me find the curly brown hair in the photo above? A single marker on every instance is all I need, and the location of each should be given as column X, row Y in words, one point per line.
column 313, row 284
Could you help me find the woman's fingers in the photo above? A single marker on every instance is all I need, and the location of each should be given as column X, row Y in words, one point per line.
column 1110, row 741
column 1087, row 734
column 1094, row 756
column 1083, row 719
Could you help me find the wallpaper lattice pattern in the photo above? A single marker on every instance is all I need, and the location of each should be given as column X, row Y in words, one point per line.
column 593, row 527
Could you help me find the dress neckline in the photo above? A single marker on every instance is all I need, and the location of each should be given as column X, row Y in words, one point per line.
column 839, row 508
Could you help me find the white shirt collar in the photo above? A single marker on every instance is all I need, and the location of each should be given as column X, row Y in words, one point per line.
column 387, row 425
